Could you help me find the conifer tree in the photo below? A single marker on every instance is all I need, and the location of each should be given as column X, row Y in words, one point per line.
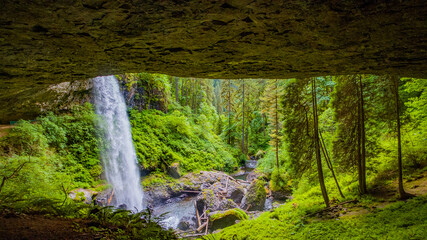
column 349, row 113
column 227, row 93
column 271, row 99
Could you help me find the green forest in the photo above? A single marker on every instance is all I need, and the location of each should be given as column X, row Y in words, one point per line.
column 337, row 157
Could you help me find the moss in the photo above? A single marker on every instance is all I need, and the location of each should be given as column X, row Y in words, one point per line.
column 159, row 179
column 400, row 220
column 239, row 213
column 80, row 197
column 260, row 190
column 208, row 196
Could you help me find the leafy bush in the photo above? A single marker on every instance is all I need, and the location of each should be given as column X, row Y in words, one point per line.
column 280, row 180
column 41, row 159
column 162, row 139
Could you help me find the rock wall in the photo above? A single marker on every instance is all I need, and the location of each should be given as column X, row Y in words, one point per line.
column 55, row 41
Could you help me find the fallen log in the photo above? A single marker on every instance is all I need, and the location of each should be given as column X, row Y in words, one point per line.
column 207, row 226
column 202, row 226
column 197, row 213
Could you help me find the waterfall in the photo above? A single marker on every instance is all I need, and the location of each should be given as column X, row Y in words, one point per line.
column 118, row 153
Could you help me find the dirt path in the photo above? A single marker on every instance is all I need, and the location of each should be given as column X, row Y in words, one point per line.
column 23, row 226
column 4, row 130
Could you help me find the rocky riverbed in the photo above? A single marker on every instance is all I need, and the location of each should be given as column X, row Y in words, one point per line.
column 204, row 198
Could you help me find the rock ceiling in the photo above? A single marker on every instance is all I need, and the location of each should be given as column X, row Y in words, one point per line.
column 46, row 41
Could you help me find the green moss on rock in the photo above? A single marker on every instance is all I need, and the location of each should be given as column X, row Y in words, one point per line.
column 239, row 213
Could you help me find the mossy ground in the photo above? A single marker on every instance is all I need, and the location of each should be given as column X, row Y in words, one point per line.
column 369, row 217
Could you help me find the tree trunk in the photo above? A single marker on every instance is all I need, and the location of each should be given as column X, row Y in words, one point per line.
column 2, row 183
column 359, row 145
column 277, row 130
column 195, row 101
column 229, row 112
column 316, row 141
column 263, row 123
column 176, row 89
column 402, row 193
column 243, row 120
column 363, row 140
column 329, row 163
column 186, row 92
column 182, row 91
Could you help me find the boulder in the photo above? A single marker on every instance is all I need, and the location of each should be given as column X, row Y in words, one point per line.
column 280, row 195
column 81, row 194
column 222, row 219
column 174, row 170
column 101, row 199
column 236, row 194
column 253, row 175
column 187, row 223
column 254, row 200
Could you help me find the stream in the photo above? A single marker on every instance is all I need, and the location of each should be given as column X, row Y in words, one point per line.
column 179, row 213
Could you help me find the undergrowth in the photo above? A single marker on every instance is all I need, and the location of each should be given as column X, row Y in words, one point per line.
column 109, row 222
column 401, row 220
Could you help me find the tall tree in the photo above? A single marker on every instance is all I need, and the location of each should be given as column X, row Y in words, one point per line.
column 271, row 99
column 349, row 113
column 401, row 191
column 186, row 92
column 362, row 172
column 317, row 143
column 176, row 89
column 227, row 93
column 243, row 119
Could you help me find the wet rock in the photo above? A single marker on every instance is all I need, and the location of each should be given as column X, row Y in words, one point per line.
column 241, row 172
column 236, row 194
column 187, row 223
column 213, row 202
column 253, row 175
column 255, row 197
column 280, row 195
column 101, row 199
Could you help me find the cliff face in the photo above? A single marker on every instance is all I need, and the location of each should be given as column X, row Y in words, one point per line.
column 56, row 41
column 49, row 42
column 28, row 103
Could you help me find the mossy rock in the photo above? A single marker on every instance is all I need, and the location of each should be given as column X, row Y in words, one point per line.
column 174, row 170
column 223, row 219
column 254, row 199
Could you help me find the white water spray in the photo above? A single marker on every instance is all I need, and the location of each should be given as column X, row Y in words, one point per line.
column 118, row 156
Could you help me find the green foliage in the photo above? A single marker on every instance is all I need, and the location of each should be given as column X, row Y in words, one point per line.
column 298, row 127
column 44, row 158
column 280, row 180
column 402, row 220
column 161, row 139
column 112, row 223
column 146, row 90
column 24, row 139
column 128, row 225
column 259, row 191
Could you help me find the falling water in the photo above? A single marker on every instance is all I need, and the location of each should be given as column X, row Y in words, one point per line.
column 118, row 155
